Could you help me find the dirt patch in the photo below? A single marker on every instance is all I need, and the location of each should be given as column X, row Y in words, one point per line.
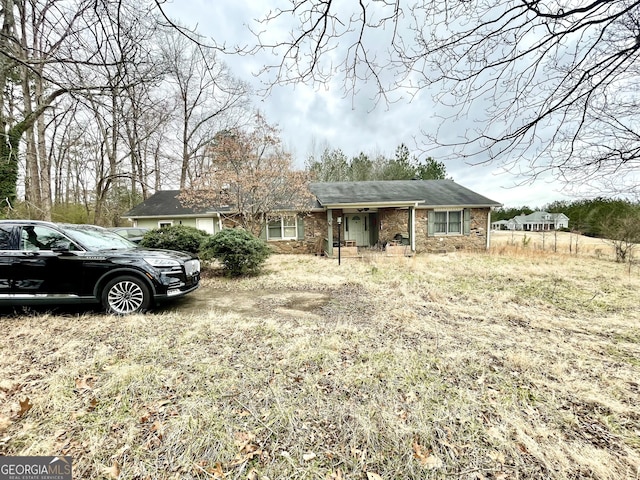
column 253, row 302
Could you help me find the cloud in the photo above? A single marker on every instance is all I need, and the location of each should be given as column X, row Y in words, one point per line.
column 313, row 116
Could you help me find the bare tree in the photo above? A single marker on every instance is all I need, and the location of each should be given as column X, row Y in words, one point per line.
column 123, row 111
column 32, row 39
column 51, row 48
column 208, row 98
column 540, row 86
column 622, row 231
column 251, row 175
column 146, row 121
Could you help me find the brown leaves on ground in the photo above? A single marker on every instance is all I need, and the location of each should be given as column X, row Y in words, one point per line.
column 25, row 406
column 113, row 471
column 86, row 383
column 464, row 366
column 425, row 456
column 8, row 391
column 153, row 420
column 248, row 449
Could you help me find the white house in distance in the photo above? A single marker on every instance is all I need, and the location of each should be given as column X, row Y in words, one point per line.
column 534, row 222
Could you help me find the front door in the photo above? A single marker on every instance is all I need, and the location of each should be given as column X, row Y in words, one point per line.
column 356, row 228
column 39, row 270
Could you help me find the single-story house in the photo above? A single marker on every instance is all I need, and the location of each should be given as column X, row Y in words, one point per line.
column 534, row 222
column 420, row 215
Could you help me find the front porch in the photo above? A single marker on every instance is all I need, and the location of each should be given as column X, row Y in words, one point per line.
column 388, row 229
column 347, row 249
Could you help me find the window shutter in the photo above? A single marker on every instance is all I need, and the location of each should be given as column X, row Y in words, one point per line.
column 263, row 231
column 300, row 228
column 431, row 219
column 467, row 221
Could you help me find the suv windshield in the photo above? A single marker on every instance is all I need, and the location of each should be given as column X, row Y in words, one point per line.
column 95, row 238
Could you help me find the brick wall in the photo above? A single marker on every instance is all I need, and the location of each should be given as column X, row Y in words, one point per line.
column 394, row 221
column 476, row 240
column 315, row 230
column 391, row 222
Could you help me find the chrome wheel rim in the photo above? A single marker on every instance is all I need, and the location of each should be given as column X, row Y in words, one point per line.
column 125, row 297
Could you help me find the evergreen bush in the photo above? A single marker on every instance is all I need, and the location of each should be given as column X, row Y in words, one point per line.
column 240, row 252
column 175, row 237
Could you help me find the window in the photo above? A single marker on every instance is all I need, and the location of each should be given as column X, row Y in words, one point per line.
column 5, row 237
column 448, row 223
column 282, row 228
column 42, row 238
column 165, row 223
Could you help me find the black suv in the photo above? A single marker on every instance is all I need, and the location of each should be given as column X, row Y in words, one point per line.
column 48, row 263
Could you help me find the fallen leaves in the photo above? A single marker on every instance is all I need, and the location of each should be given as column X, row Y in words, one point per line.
column 248, row 450
column 212, row 471
column 7, row 390
column 426, row 458
column 153, row 423
column 85, row 386
column 113, row 471
column 85, row 383
column 25, row 406
column 247, row 447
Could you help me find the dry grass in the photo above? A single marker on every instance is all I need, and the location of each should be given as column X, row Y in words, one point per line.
column 553, row 242
column 467, row 366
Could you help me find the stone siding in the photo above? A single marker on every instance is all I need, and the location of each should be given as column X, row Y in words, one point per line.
column 476, row 240
column 391, row 221
column 394, row 221
column 315, row 231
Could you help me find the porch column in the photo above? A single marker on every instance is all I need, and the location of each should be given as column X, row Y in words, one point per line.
column 412, row 228
column 329, row 232
column 488, row 239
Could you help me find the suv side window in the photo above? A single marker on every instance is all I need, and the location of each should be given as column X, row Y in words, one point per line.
column 5, row 237
column 35, row 238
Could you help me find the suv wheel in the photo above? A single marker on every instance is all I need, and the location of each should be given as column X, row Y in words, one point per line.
column 125, row 295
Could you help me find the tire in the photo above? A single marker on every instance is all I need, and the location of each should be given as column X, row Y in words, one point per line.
column 126, row 295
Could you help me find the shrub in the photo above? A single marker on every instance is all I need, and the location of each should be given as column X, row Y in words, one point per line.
column 176, row 237
column 240, row 252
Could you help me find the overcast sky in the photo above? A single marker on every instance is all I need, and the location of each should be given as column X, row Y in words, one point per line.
column 312, row 118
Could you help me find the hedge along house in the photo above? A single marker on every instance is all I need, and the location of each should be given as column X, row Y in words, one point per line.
column 284, row 229
column 419, row 215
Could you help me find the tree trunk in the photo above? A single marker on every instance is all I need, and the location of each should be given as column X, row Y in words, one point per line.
column 43, row 156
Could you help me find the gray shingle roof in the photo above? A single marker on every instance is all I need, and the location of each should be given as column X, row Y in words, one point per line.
column 165, row 203
column 427, row 192
column 539, row 217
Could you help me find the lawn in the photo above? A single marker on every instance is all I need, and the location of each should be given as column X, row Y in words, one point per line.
column 513, row 365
